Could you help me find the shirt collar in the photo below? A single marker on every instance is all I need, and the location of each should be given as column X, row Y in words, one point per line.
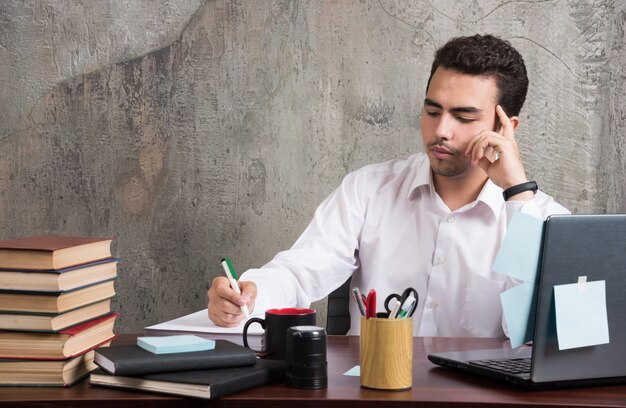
column 490, row 195
column 423, row 177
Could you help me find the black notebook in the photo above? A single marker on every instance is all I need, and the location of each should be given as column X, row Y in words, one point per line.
column 207, row 384
column 132, row 360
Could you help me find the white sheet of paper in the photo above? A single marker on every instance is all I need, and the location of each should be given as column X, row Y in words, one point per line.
column 199, row 322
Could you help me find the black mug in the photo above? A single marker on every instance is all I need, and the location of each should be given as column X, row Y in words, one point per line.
column 275, row 324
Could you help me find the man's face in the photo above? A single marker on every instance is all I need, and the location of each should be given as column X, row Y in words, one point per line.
column 457, row 108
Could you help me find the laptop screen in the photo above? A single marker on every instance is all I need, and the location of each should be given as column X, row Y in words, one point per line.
column 574, row 246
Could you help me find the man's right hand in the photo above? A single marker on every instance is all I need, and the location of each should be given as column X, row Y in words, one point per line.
column 225, row 304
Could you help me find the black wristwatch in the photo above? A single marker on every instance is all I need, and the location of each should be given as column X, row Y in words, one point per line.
column 520, row 188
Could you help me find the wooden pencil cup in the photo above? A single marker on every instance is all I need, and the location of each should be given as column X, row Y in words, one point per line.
column 386, row 353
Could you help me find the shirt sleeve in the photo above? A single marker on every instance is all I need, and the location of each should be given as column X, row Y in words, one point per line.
column 322, row 258
column 541, row 206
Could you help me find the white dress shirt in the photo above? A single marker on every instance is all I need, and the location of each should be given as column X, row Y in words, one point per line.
column 387, row 227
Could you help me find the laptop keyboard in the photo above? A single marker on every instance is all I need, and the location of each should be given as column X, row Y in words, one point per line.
column 513, row 366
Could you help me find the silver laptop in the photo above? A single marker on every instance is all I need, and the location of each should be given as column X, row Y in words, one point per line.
column 573, row 246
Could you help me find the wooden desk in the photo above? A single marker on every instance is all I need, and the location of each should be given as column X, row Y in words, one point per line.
column 432, row 386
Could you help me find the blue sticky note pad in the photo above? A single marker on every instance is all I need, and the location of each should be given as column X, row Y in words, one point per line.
column 581, row 316
column 353, row 372
column 175, row 344
column 519, row 305
column 518, row 256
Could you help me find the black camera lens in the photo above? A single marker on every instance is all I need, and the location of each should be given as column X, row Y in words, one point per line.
column 306, row 357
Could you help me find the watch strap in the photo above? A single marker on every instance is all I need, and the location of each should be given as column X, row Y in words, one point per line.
column 520, row 188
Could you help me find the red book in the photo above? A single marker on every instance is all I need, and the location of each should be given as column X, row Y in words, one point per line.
column 68, row 343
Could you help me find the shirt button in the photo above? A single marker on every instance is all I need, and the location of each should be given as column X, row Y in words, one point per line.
column 434, row 305
column 440, row 260
column 450, row 219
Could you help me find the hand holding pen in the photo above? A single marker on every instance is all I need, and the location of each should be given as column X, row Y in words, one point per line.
column 224, row 305
column 232, row 278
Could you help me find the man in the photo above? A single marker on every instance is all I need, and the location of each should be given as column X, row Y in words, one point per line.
column 434, row 221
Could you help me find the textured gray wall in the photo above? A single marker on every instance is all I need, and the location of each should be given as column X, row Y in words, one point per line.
column 193, row 130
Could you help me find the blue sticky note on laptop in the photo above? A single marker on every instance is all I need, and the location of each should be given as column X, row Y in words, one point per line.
column 581, row 314
column 518, row 256
column 518, row 306
column 175, row 344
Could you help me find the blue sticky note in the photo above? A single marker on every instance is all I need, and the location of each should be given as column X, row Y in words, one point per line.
column 581, row 316
column 175, row 344
column 353, row 372
column 519, row 305
column 518, row 256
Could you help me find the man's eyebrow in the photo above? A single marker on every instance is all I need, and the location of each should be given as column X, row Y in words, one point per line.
column 466, row 109
column 430, row 102
column 458, row 109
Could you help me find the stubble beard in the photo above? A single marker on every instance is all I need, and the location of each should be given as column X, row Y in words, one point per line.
column 441, row 169
column 446, row 168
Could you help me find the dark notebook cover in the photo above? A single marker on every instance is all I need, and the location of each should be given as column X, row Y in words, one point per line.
column 132, row 360
column 207, row 384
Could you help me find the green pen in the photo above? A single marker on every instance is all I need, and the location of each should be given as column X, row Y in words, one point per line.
column 232, row 278
column 406, row 307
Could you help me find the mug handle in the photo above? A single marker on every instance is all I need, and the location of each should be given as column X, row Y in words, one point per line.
column 245, row 331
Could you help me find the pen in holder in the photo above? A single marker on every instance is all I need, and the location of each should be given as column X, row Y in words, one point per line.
column 386, row 353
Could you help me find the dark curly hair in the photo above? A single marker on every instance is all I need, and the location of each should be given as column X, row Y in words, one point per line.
column 489, row 56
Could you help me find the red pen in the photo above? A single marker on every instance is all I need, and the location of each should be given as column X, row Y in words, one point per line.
column 371, row 304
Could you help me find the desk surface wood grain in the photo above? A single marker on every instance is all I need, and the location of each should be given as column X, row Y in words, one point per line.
column 432, row 386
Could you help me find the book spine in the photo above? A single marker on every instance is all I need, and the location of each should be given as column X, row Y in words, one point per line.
column 137, row 367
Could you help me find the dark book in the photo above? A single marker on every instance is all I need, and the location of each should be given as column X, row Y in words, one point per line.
column 65, row 344
column 207, row 384
column 132, row 360
column 52, row 252
column 55, row 303
column 58, row 280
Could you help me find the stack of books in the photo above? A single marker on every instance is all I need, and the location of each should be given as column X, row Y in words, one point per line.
column 171, row 365
column 55, row 308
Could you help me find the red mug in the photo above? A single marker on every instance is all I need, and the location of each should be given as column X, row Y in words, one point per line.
column 275, row 324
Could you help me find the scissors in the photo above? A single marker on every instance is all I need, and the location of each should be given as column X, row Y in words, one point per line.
column 402, row 298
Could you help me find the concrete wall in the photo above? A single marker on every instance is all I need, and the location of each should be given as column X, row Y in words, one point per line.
column 193, row 130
